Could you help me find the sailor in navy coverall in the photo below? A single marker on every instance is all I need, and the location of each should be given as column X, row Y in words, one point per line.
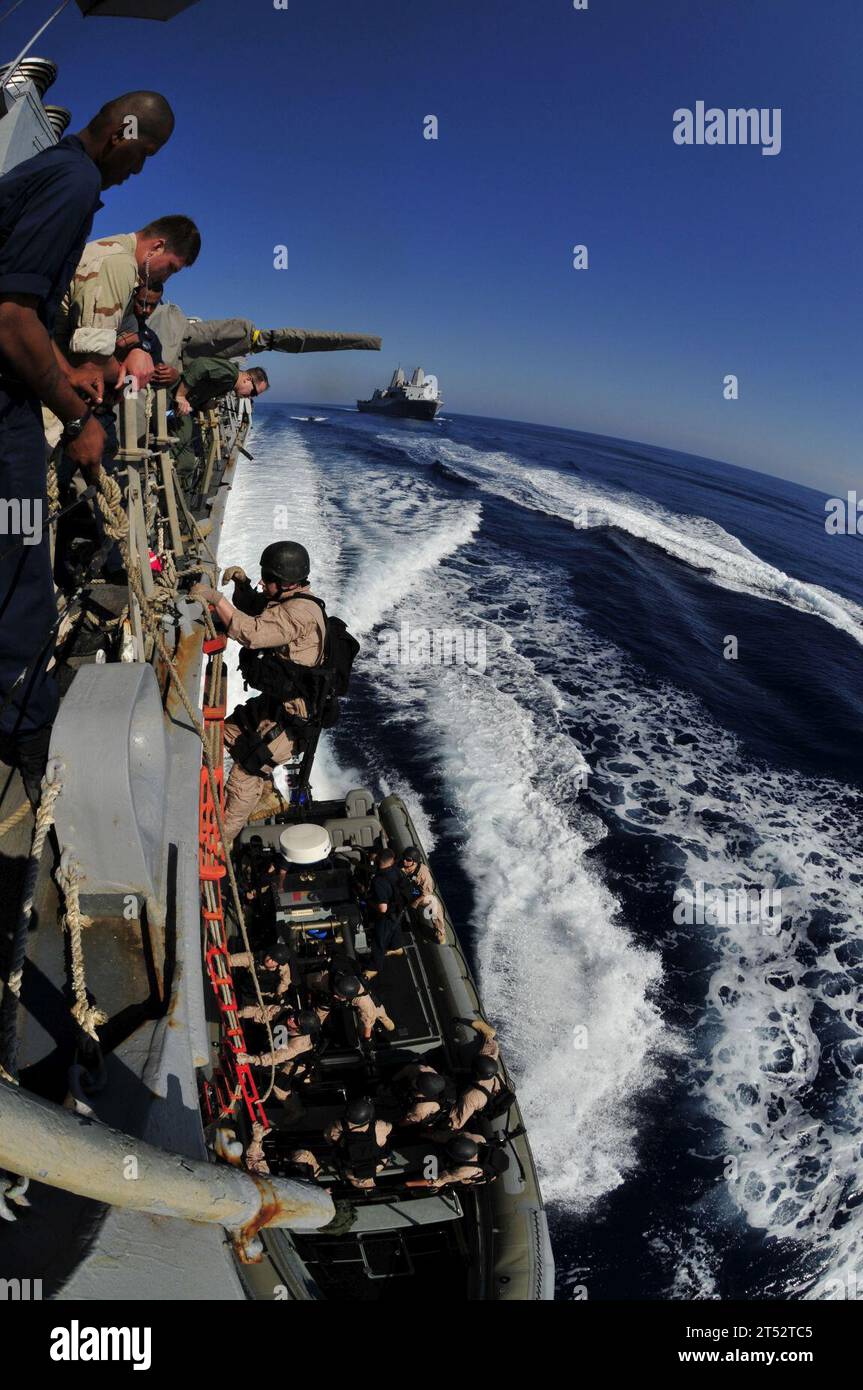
column 47, row 206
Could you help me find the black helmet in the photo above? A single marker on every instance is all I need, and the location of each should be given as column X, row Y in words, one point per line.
column 348, row 986
column 462, row 1150
column 287, row 561
column 484, row 1068
column 411, row 853
column 359, row 1112
column 308, row 1022
column 430, row 1085
column 278, row 952
column 295, row 1169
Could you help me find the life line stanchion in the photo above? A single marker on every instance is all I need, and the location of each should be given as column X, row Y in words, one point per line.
column 235, row 1078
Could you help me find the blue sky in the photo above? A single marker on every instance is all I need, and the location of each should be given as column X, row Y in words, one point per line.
column 304, row 127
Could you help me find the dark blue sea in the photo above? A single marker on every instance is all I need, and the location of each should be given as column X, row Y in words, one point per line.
column 659, row 686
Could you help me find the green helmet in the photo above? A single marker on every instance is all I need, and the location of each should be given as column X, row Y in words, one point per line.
column 286, row 561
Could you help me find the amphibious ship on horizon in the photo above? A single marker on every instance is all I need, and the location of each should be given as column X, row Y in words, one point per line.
column 417, row 399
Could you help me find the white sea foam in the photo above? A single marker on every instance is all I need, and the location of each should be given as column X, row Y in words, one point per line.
column 554, row 953
column 559, row 972
column 693, row 1260
column 282, row 483
column 400, row 540
column 791, row 1114
column 696, row 541
column 573, row 996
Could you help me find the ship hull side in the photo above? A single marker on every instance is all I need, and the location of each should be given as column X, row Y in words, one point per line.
column 404, row 410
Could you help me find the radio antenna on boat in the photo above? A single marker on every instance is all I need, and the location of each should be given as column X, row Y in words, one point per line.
column 11, row 10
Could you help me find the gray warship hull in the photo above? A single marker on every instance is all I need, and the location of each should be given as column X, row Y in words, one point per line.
column 400, row 409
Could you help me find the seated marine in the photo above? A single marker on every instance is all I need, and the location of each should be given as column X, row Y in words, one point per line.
column 425, row 1096
column 424, row 899
column 361, row 1143
column 470, row 1161
column 272, row 966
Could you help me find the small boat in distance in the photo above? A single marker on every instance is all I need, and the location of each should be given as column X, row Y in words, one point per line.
column 417, row 399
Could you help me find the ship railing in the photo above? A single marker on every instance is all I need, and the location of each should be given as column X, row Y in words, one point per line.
column 166, row 540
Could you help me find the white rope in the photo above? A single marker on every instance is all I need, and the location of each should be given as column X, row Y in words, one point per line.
column 86, row 1015
column 14, row 819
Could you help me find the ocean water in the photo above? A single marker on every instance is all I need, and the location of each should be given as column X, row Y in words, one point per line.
column 691, row 1081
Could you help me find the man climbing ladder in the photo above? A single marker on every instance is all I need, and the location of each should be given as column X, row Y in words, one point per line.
column 285, row 632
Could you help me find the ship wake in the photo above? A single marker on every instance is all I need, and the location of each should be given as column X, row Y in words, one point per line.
column 694, row 540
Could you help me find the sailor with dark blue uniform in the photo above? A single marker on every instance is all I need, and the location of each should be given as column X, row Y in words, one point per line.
column 47, row 205
column 386, row 906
